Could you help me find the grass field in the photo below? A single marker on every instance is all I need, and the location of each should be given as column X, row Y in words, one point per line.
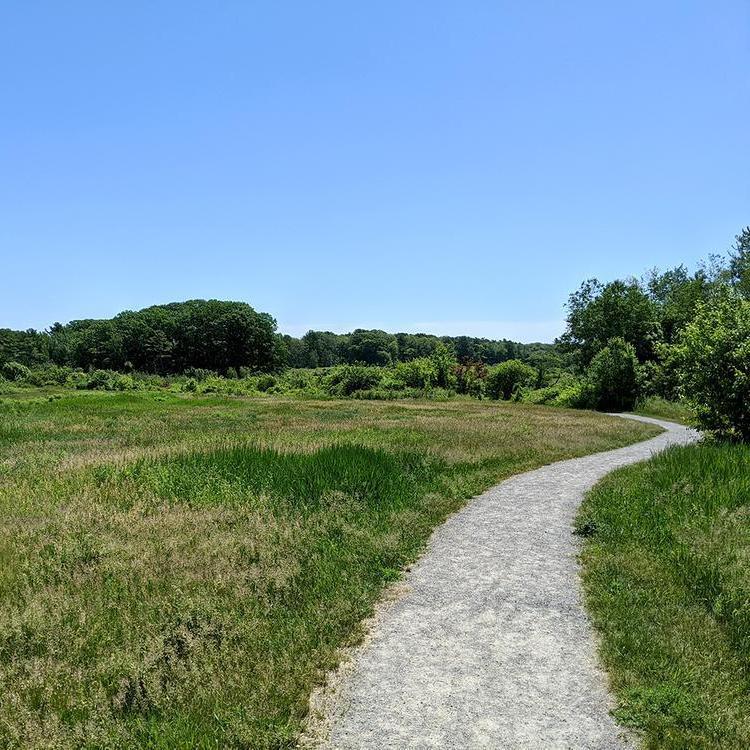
column 667, row 579
column 673, row 411
column 179, row 572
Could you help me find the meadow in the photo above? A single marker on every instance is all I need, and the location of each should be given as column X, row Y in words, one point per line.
column 180, row 570
column 661, row 408
column 667, row 583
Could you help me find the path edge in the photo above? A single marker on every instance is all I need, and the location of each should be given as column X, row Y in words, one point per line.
column 326, row 703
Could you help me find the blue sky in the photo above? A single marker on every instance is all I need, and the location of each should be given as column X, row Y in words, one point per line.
column 454, row 167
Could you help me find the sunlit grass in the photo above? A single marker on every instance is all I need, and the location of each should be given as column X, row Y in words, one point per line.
column 179, row 572
column 667, row 578
column 672, row 411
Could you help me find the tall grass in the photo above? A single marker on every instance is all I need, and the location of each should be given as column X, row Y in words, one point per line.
column 249, row 474
column 673, row 411
column 668, row 584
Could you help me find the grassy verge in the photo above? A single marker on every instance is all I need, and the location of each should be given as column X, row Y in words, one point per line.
column 667, row 583
column 179, row 572
column 672, row 411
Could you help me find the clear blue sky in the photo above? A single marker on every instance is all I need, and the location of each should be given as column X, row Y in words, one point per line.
column 426, row 165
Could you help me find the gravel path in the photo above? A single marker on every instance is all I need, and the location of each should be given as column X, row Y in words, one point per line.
column 490, row 646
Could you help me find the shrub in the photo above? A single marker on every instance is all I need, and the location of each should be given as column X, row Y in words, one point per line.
column 713, row 360
column 612, row 377
column 382, row 394
column 347, row 379
column 125, row 383
column 418, row 373
column 546, row 395
column 265, row 383
column 16, row 372
column 152, row 380
column 503, row 379
column 301, row 379
column 569, row 392
column 199, row 373
column 659, row 377
column 76, row 379
column 470, row 378
column 99, row 380
column 218, row 384
column 444, row 362
column 47, row 375
column 440, row 394
column 574, row 396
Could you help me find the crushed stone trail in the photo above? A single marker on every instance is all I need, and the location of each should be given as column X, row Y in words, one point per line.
column 490, row 646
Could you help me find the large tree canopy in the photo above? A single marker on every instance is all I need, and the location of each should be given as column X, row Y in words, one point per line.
column 677, row 295
column 739, row 263
column 713, row 357
column 210, row 334
column 599, row 312
column 372, row 347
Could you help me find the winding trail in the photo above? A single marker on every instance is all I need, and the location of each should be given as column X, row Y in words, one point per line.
column 490, row 646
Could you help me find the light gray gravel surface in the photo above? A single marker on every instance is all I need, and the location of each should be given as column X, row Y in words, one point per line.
column 490, row 647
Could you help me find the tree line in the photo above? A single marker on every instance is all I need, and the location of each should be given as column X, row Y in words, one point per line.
column 227, row 337
column 375, row 347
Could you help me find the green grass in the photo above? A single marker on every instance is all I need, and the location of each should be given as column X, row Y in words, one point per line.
column 672, row 411
column 667, row 580
column 180, row 572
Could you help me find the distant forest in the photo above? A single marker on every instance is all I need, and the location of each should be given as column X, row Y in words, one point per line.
column 225, row 336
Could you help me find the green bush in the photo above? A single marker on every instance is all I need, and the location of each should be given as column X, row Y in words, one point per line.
column 568, row 392
column 265, row 383
column 470, row 378
column 504, row 379
column 713, row 360
column 49, row 375
column 659, row 377
column 444, row 362
column 574, row 396
column 199, row 373
column 152, row 380
column 345, row 380
column 546, row 395
column 385, row 394
column 218, row 384
column 420, row 373
column 16, row 372
column 612, row 377
column 76, row 379
column 103, row 380
column 125, row 383
column 100, row 380
column 300, row 379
